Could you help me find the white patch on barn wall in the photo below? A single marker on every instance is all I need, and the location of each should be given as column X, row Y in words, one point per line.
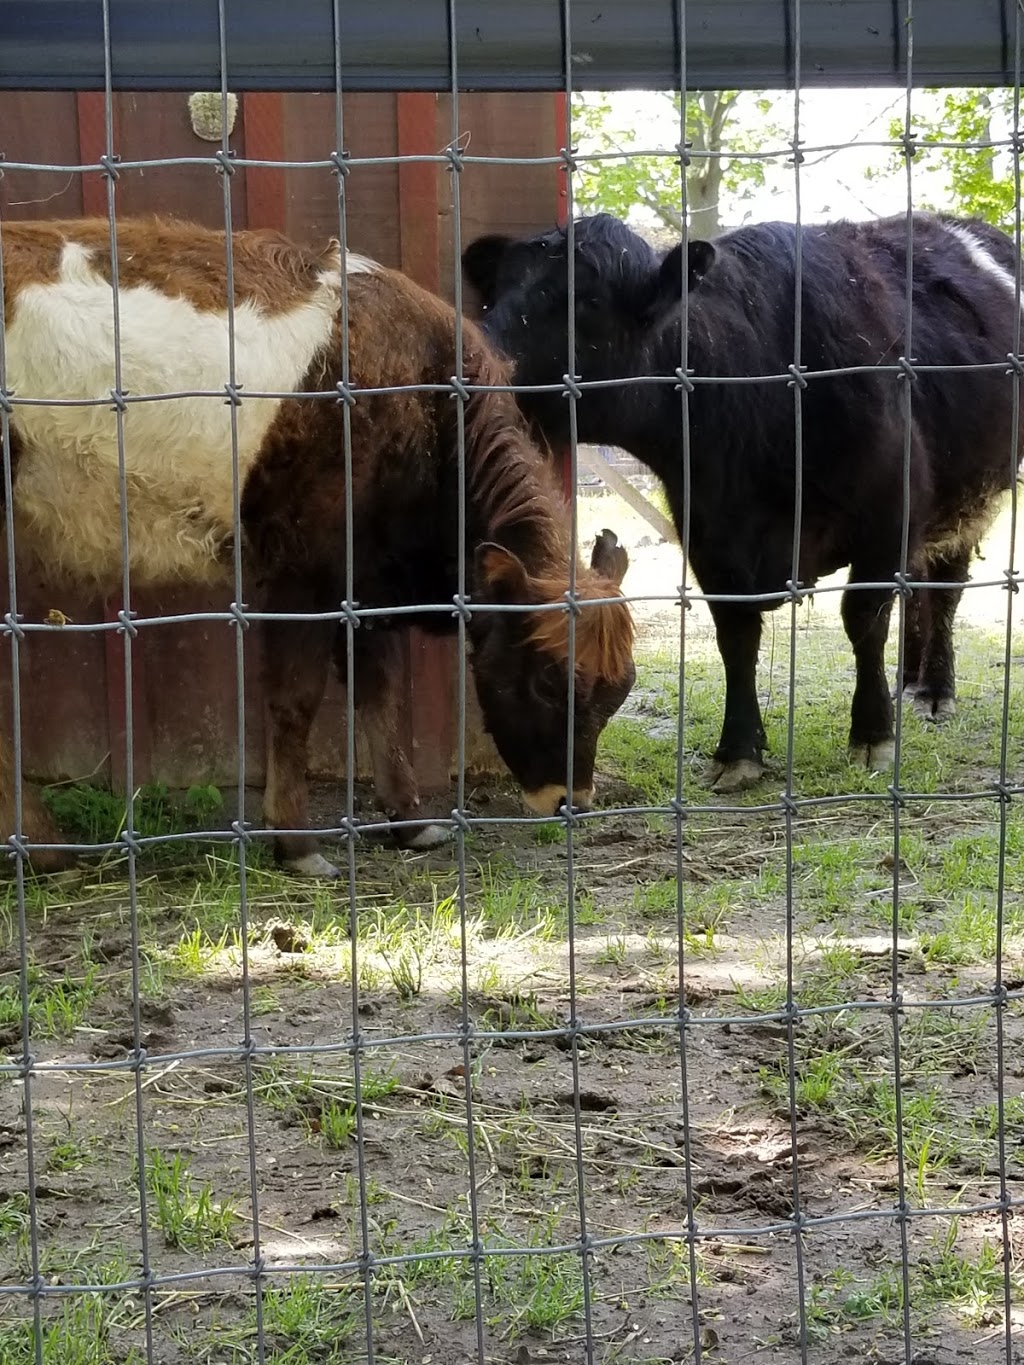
column 982, row 257
column 178, row 452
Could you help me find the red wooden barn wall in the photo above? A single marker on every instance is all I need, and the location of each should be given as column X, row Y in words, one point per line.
column 184, row 674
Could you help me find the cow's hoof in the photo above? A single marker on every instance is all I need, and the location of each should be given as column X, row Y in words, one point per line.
column 312, row 865
column 737, row 776
column 931, row 708
column 427, row 836
column 877, row 758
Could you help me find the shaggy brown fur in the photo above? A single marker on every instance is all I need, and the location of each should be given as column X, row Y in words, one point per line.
column 404, row 489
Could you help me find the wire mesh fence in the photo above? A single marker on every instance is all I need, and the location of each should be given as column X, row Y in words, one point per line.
column 685, row 1074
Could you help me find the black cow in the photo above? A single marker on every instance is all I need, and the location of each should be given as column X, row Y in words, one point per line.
column 741, row 308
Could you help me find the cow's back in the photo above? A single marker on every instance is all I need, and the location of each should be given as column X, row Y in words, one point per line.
column 171, row 331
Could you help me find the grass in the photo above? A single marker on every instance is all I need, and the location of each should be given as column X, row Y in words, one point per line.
column 187, row 1213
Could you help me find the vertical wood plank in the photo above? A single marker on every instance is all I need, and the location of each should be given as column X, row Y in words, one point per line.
column 92, row 144
column 428, row 682
column 265, row 186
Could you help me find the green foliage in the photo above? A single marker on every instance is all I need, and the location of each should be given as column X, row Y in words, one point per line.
column 94, row 815
column 972, row 180
column 717, row 122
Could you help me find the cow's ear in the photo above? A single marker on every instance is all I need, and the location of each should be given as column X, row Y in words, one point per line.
column 481, row 261
column 609, row 558
column 669, row 287
column 500, row 575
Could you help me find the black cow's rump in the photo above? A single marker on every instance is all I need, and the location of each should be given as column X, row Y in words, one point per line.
column 741, row 296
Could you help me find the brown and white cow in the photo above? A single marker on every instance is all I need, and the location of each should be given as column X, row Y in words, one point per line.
column 173, row 328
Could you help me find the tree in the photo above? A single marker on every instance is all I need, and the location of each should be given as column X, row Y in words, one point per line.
column 972, row 180
column 717, row 122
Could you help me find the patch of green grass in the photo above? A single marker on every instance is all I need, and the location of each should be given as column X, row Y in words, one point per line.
column 81, row 1331
column 312, row 1319
column 187, row 1214
column 93, row 815
column 973, row 1288
column 14, row 1217
column 56, row 1004
column 969, row 930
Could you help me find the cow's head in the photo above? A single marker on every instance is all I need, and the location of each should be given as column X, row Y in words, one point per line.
column 521, row 667
column 624, row 294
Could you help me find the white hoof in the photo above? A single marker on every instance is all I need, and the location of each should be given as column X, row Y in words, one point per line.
column 430, row 836
column 737, row 776
column 313, row 865
column 877, row 758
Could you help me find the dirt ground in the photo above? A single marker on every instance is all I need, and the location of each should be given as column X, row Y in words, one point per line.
column 560, row 1040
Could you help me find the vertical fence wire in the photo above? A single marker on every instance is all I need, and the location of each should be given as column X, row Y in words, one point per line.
column 349, row 616
column 798, row 384
column 685, row 389
column 17, row 837
column 351, row 621
column 571, row 396
column 1002, row 792
column 128, row 635
column 459, row 393
column 896, row 995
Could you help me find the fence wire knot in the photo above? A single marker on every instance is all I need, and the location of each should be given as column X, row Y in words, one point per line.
column 463, row 611
column 572, row 602
column 460, row 821
column 242, row 831
column 345, row 394
column 5, row 401
column 568, row 155
column 137, row 1060
column 1012, row 577
column 683, row 148
column 798, row 376
column 1004, row 790
column 678, row 808
column 686, row 384
column 349, row 827
column 238, row 612
column 130, row 839
column 233, row 394
column 453, row 155
column 126, row 623
column 118, row 397
column 350, row 613
column 896, row 795
column 19, row 848
column 902, row 586
column 906, row 369
column 572, row 386
column 1015, row 364
column 787, row 803
column 225, row 161
column 13, row 626
column 908, row 143
column 108, row 165
column 459, row 389
column 795, row 590
column 339, row 160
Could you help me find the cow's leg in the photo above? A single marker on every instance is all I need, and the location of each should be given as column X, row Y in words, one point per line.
column 866, row 613
column 934, row 691
column 297, row 665
column 378, row 666
column 737, row 762
column 917, row 623
column 38, row 827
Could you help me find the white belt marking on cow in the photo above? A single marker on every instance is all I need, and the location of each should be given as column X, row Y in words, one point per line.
column 982, row 257
column 178, row 452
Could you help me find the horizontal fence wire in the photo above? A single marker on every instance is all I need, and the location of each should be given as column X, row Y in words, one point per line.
column 35, row 1296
